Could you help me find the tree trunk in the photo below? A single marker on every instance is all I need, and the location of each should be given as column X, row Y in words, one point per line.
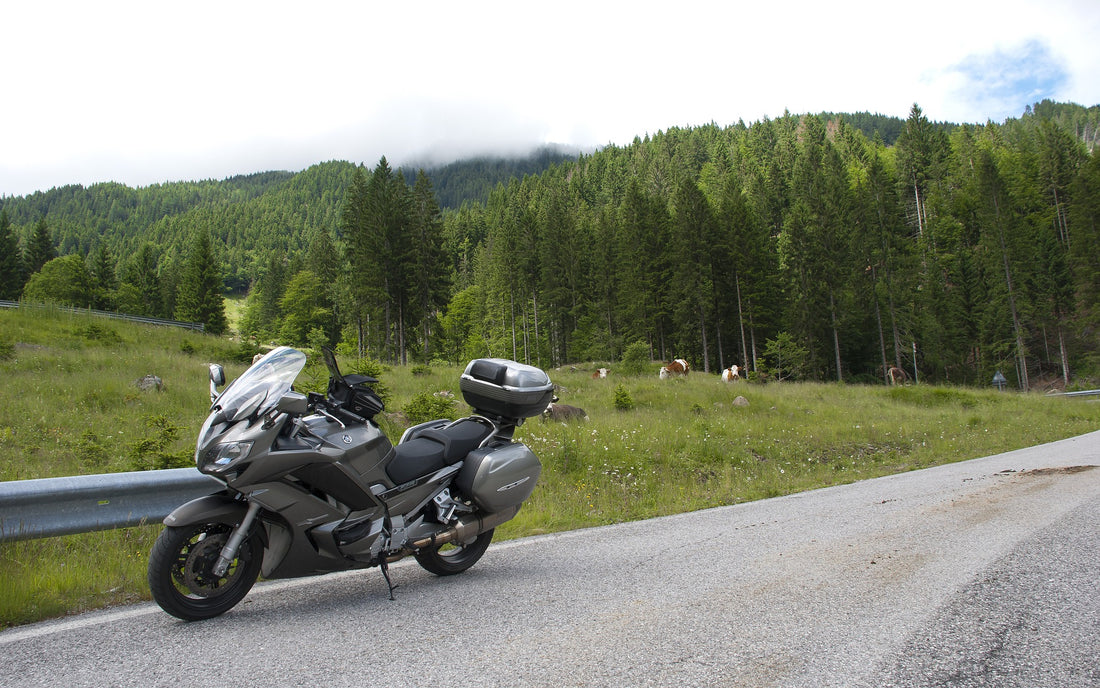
column 512, row 307
column 741, row 324
column 1065, row 358
column 836, row 336
column 881, row 341
column 362, row 336
column 1021, row 359
column 538, row 349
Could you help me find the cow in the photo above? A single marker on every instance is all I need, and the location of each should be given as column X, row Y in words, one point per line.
column 600, row 373
column 563, row 413
column 897, row 376
column 678, row 368
column 731, row 374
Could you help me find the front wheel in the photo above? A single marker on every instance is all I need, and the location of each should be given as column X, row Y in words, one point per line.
column 447, row 560
column 181, row 565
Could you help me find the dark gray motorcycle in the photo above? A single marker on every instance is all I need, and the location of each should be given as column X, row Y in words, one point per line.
column 312, row 484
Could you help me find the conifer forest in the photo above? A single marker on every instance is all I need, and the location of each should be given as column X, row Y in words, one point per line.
column 824, row 247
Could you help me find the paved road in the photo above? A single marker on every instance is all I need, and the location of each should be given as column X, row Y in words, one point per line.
column 982, row 573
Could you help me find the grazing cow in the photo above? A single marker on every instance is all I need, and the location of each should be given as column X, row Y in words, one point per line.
column 678, row 368
column 600, row 373
column 563, row 413
column 732, row 373
column 897, row 376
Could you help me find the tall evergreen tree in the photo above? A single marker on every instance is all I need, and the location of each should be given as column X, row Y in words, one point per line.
column 428, row 262
column 139, row 288
column 11, row 263
column 693, row 240
column 323, row 260
column 387, row 259
column 360, row 260
column 104, row 278
column 263, row 311
column 199, row 297
column 921, row 153
column 40, row 249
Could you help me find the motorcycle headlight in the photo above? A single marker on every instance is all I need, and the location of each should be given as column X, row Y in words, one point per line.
column 221, row 455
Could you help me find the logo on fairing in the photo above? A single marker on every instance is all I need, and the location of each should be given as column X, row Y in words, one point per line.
column 347, row 439
column 509, row 486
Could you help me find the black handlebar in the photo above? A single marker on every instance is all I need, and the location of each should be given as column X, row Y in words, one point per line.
column 322, row 403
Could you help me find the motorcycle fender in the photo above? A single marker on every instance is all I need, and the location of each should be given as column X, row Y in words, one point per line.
column 212, row 508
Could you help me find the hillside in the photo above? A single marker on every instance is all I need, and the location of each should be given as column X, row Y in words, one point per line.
column 809, row 246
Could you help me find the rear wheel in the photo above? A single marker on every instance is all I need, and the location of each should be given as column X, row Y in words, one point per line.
column 448, row 560
column 181, row 570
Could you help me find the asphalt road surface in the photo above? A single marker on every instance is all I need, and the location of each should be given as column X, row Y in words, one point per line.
column 982, row 573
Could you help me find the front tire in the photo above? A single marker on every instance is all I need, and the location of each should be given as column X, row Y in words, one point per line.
column 180, row 566
column 448, row 560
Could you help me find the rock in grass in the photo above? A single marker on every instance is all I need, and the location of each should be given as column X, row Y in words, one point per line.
column 150, row 382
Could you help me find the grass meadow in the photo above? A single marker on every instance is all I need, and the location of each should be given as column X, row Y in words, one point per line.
column 69, row 405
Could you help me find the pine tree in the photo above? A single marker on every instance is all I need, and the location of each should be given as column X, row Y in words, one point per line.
column 323, row 259
column 303, row 307
column 11, row 264
column 359, row 258
column 263, row 312
column 104, row 279
column 691, row 244
column 387, row 262
column 40, row 250
column 139, row 288
column 199, row 297
column 428, row 262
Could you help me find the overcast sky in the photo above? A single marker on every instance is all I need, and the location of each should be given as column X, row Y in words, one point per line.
column 145, row 92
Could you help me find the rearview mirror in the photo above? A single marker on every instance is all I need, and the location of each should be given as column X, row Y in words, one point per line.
column 217, row 377
column 217, row 374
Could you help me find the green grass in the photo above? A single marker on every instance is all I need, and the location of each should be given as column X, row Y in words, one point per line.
column 69, row 406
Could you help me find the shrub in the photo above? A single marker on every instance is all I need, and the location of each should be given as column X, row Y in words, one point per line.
column 152, row 453
column 623, row 400
column 95, row 332
column 635, row 359
column 425, row 407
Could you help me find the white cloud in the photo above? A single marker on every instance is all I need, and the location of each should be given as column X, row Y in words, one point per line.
column 143, row 92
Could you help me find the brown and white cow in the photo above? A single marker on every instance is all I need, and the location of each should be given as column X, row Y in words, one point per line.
column 731, row 374
column 600, row 373
column 897, row 376
column 678, row 368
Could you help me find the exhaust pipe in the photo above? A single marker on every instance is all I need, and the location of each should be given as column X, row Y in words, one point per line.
column 467, row 528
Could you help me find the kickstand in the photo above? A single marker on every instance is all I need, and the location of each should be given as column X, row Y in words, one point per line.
column 385, row 566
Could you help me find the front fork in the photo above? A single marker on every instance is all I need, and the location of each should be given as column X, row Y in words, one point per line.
column 229, row 552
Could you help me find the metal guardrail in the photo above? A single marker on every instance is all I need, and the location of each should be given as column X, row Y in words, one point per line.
column 48, row 507
column 199, row 327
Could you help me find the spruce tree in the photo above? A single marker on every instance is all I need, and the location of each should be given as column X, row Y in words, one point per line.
column 40, row 250
column 101, row 265
column 140, row 290
column 11, row 265
column 428, row 261
column 199, row 296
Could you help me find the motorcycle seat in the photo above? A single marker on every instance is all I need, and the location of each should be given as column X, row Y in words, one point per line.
column 435, row 448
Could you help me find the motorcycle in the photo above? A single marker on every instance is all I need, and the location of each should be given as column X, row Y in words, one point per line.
column 313, row 485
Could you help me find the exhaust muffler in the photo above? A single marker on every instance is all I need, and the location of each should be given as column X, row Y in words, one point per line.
column 467, row 528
